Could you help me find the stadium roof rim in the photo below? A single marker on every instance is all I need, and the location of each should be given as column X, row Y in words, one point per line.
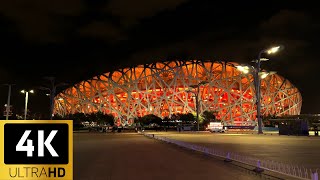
column 231, row 63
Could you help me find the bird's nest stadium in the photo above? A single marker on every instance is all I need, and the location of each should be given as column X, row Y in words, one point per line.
column 167, row 88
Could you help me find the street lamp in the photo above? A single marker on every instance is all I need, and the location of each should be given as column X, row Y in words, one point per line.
column 258, row 75
column 8, row 106
column 26, row 102
column 196, row 94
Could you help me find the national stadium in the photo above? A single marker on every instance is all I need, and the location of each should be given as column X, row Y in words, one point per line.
column 167, row 88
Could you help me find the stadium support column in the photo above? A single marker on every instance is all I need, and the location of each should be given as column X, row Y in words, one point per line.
column 52, row 92
column 196, row 94
column 197, row 104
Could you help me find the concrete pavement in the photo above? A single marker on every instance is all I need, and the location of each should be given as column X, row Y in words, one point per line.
column 293, row 150
column 121, row 156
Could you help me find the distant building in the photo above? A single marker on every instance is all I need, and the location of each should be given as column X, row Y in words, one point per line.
column 161, row 89
column 293, row 126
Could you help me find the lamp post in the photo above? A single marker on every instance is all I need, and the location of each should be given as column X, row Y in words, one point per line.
column 197, row 86
column 8, row 107
column 258, row 75
column 8, row 103
column 258, row 83
column 26, row 102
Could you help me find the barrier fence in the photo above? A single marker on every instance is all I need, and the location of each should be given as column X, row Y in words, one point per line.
column 260, row 165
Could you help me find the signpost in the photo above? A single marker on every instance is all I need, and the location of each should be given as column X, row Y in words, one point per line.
column 7, row 111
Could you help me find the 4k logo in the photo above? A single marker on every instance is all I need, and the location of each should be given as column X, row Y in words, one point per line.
column 29, row 148
column 36, row 143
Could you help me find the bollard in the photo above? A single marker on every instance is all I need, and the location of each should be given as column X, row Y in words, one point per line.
column 314, row 176
column 206, row 150
column 258, row 169
column 228, row 158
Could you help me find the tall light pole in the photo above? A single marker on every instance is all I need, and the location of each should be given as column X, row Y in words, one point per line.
column 8, row 107
column 258, row 82
column 258, row 75
column 196, row 94
column 26, row 102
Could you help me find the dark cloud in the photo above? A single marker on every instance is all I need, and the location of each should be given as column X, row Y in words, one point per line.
column 295, row 30
column 49, row 22
column 298, row 32
column 102, row 30
column 289, row 24
column 41, row 21
column 4, row 75
column 132, row 11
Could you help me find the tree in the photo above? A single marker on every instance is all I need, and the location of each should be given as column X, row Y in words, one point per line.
column 136, row 120
column 91, row 117
column 108, row 119
column 58, row 117
column 101, row 118
column 77, row 117
column 187, row 118
column 150, row 118
column 166, row 122
column 208, row 116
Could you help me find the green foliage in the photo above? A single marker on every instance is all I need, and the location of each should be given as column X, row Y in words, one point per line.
column 166, row 121
column 98, row 117
column 110, row 119
column 104, row 119
column 77, row 117
column 150, row 118
column 208, row 116
column 58, row 117
column 136, row 120
column 175, row 117
column 187, row 118
column 78, row 127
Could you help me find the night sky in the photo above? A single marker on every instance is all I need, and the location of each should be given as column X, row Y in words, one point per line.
column 75, row 40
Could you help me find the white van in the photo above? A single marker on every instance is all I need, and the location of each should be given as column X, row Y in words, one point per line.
column 216, row 127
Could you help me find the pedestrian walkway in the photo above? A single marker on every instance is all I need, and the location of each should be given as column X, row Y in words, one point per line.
column 132, row 156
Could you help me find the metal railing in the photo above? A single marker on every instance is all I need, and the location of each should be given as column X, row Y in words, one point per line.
column 260, row 165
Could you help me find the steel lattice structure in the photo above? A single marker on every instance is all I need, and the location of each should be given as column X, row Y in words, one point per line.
column 161, row 89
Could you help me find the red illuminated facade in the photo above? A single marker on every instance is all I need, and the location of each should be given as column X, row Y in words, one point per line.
column 164, row 89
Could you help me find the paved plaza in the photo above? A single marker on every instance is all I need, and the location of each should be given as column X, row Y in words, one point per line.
column 108, row 156
column 293, row 150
